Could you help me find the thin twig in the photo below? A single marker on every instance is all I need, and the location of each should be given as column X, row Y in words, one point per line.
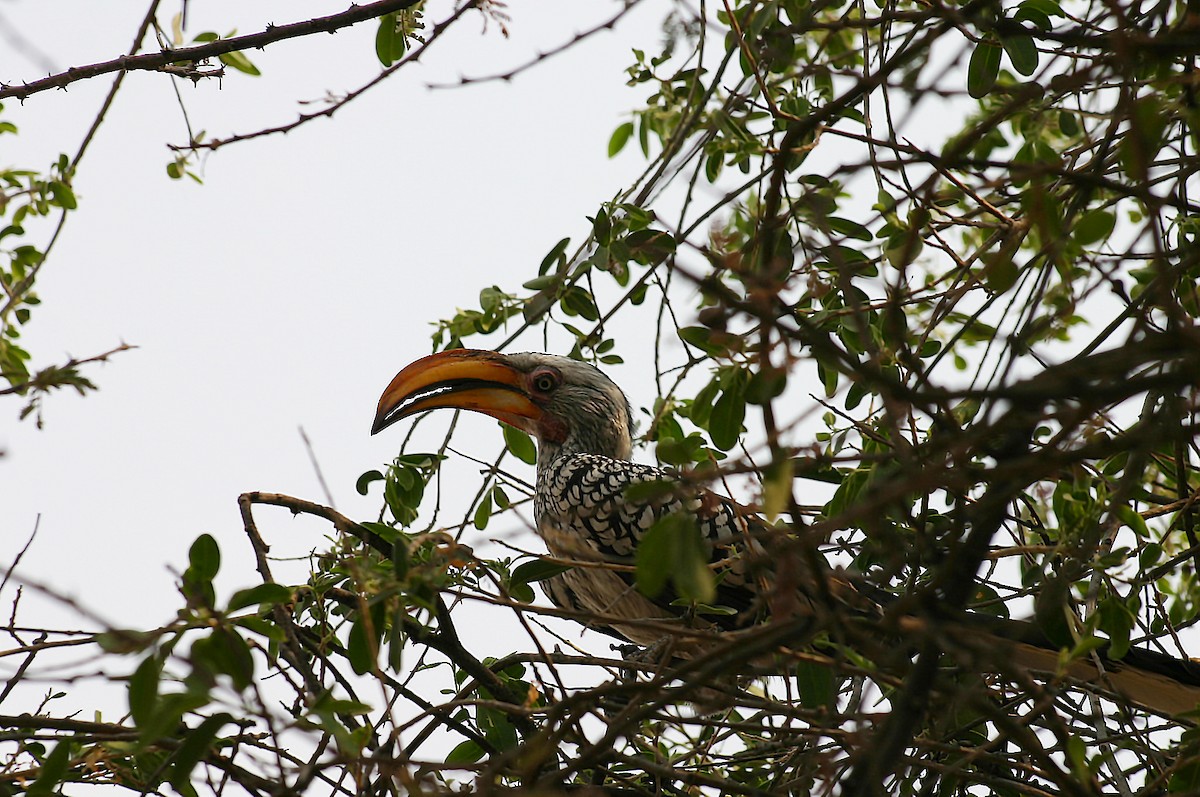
column 312, row 457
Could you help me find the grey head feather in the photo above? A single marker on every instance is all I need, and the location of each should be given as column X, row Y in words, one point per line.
column 595, row 411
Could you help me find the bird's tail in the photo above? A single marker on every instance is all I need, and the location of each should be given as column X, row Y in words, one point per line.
column 1156, row 681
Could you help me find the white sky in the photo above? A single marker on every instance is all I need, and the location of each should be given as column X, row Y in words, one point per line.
column 289, row 288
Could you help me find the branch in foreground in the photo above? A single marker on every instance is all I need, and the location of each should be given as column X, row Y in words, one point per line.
column 163, row 58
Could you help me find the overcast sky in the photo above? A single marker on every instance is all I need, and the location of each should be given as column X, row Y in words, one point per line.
column 289, row 288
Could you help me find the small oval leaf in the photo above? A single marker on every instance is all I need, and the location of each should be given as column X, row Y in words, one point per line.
column 620, row 138
column 520, row 444
column 258, row 595
column 1022, row 52
column 204, row 558
column 537, row 570
column 984, row 68
column 1093, row 226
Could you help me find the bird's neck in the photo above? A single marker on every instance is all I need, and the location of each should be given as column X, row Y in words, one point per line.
column 613, row 443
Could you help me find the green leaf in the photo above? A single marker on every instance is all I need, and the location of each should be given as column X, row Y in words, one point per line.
column 169, row 712
column 654, row 554
column 850, row 229
column 63, row 195
column 1118, row 622
column 400, row 557
column 986, row 600
column 1150, row 555
column 650, row 247
column 1000, row 273
column 542, row 282
column 332, row 705
column 239, row 61
column 54, row 769
column 577, row 301
column 984, row 68
column 712, row 166
column 725, row 423
column 1095, row 225
column 816, row 684
column 536, row 570
column 1140, row 145
column 522, row 593
column 1022, row 52
column 204, row 558
column 467, row 752
column 556, row 254
column 765, row 385
column 620, row 138
column 1135, row 522
column 601, row 227
column 1077, row 755
column 1084, row 648
column 1067, row 124
column 520, row 444
column 124, row 641
column 143, row 689
column 397, row 638
column 777, row 488
column 196, row 744
column 679, row 452
column 497, row 727
column 264, row 628
column 1186, row 777
column 1026, row 14
column 701, row 338
column 387, row 49
column 649, row 491
column 903, row 248
column 255, row 596
column 1050, row 607
column 224, row 652
column 1048, row 7
column 361, row 647
column 483, row 513
column 364, row 481
column 673, row 548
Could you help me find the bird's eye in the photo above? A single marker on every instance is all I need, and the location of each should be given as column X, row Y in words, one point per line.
column 545, row 381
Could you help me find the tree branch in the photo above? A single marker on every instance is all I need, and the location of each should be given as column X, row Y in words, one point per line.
column 163, row 58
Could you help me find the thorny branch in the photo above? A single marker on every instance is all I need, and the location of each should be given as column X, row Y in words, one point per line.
column 335, row 105
column 201, row 52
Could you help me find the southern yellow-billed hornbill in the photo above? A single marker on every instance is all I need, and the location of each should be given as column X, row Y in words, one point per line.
column 581, row 421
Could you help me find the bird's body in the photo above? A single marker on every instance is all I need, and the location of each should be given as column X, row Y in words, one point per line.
column 587, row 517
column 584, row 516
column 580, row 514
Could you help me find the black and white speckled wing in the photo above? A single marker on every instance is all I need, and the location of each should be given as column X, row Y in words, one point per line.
column 584, row 515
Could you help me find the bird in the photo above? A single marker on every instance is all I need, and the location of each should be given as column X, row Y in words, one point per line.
column 590, row 512
column 582, row 423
